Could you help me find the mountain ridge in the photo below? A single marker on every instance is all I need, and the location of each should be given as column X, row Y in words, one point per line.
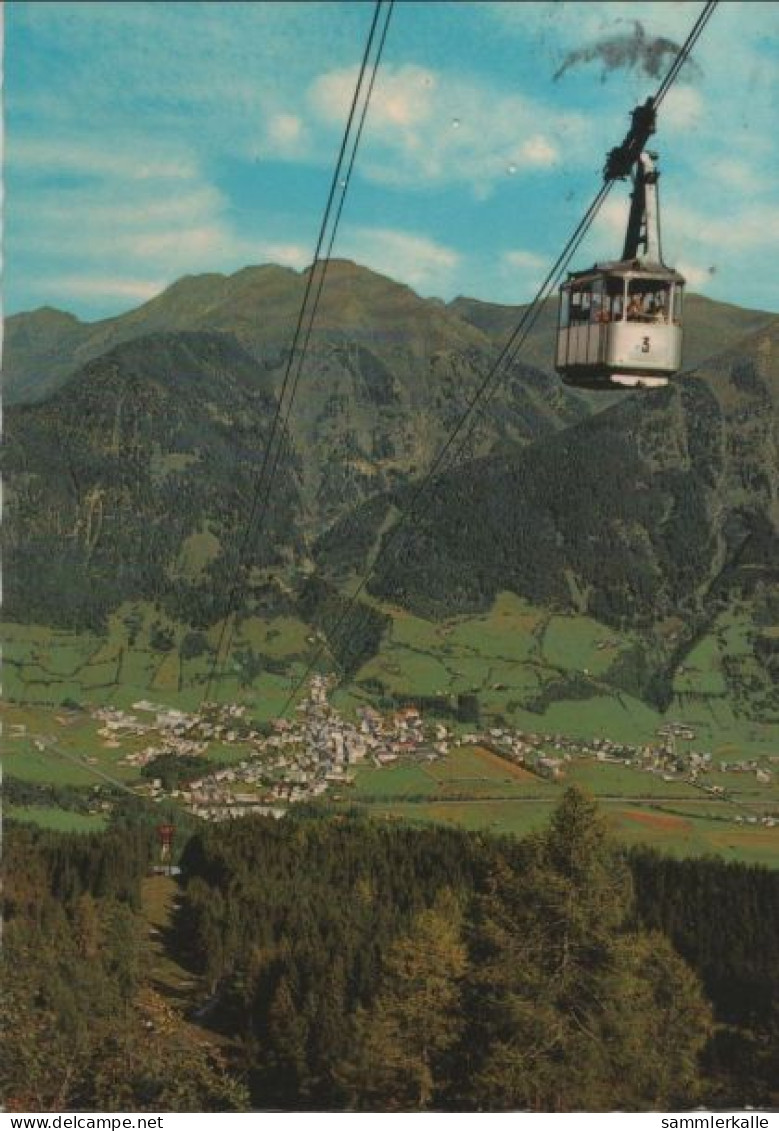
column 260, row 304
column 652, row 512
column 387, row 374
column 646, row 513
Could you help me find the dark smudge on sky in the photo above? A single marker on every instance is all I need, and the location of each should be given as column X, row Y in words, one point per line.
column 631, row 51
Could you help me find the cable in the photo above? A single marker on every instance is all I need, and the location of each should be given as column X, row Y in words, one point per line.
column 508, row 352
column 227, row 630
column 290, row 383
column 507, row 355
column 685, row 51
column 325, row 262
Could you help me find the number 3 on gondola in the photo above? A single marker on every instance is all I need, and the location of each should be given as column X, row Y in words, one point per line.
column 620, row 322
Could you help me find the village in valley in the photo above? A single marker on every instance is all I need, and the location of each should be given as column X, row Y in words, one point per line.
column 319, row 752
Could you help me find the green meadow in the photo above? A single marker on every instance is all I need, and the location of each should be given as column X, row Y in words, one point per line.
column 58, row 820
column 538, row 672
column 144, row 655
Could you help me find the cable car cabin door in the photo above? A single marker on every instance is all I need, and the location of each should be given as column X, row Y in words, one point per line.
column 583, row 340
column 619, row 331
column 647, row 339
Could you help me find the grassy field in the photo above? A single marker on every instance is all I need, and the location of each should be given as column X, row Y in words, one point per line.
column 688, row 835
column 472, row 772
column 577, row 643
column 679, row 835
column 159, row 895
column 604, row 779
column 524, row 664
column 693, row 834
column 701, row 672
column 465, row 773
column 723, row 670
column 516, row 658
column 507, row 656
column 476, row 789
column 23, row 761
column 394, row 781
column 46, row 667
column 490, row 816
column 59, row 820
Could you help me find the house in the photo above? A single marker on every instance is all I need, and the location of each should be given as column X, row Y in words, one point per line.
column 550, row 767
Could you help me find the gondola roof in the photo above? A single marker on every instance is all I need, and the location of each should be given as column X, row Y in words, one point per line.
column 628, row 268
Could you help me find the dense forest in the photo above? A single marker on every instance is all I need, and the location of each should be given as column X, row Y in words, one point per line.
column 640, row 478
column 134, row 474
column 345, row 964
column 83, row 1027
column 136, row 484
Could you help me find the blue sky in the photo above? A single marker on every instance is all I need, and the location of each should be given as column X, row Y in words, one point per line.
column 146, row 141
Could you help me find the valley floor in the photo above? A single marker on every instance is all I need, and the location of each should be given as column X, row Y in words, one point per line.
column 76, row 770
column 86, row 717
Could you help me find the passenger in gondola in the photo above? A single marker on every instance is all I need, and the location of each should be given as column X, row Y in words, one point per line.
column 634, row 309
column 600, row 311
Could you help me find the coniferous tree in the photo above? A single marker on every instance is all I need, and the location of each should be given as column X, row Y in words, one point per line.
column 552, row 967
column 403, row 1040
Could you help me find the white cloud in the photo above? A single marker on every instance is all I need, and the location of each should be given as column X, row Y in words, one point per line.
column 286, row 135
column 109, row 205
column 525, row 260
column 141, row 221
column 287, row 254
column 540, row 151
column 750, row 226
column 741, row 175
column 607, row 234
column 433, row 127
column 124, row 238
column 710, row 247
column 126, row 158
column 187, row 243
column 519, row 272
column 574, row 24
column 214, row 74
column 103, row 287
column 402, row 97
column 406, row 256
column 130, row 143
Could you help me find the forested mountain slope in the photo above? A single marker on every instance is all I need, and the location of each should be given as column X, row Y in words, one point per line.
column 387, row 374
column 136, row 480
column 649, row 514
column 709, row 327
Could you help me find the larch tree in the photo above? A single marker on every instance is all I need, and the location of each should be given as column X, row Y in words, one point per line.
column 563, row 998
column 402, row 1041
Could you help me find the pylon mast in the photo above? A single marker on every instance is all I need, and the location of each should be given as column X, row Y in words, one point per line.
column 642, row 238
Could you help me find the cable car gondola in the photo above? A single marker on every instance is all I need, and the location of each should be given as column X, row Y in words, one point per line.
column 620, row 323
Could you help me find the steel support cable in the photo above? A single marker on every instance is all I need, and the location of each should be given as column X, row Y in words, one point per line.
column 507, row 354
column 526, row 331
column 673, row 72
column 685, row 52
column 509, row 351
column 300, row 355
column 227, row 630
column 325, row 261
